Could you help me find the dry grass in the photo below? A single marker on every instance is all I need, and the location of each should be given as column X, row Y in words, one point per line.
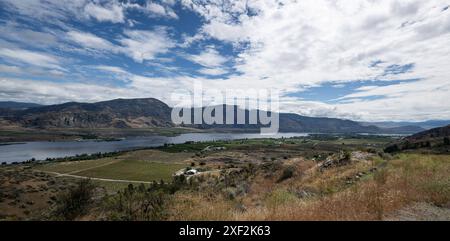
column 199, row 206
column 407, row 179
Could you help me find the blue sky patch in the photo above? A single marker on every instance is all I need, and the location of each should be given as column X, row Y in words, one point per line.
column 331, row 92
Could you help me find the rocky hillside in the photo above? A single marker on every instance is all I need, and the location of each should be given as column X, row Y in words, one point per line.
column 293, row 123
column 119, row 113
column 437, row 140
column 436, row 133
column 149, row 112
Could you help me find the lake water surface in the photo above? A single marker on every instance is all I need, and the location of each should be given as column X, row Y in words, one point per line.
column 40, row 150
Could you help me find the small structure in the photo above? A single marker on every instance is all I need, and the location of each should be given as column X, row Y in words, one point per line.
column 190, row 172
column 214, row 148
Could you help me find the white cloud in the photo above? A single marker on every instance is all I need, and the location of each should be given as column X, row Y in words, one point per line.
column 154, row 9
column 9, row 69
column 140, row 45
column 112, row 12
column 160, row 10
column 35, row 71
column 56, row 10
column 112, row 69
column 144, row 45
column 30, row 57
column 47, row 92
column 90, row 41
column 210, row 57
column 50, row 92
column 18, row 33
column 212, row 71
column 170, row 2
column 293, row 45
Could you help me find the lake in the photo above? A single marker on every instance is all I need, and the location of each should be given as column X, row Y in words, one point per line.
column 41, row 150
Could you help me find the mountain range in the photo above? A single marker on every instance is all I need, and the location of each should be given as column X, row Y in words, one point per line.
column 119, row 113
column 17, row 105
column 150, row 112
column 429, row 124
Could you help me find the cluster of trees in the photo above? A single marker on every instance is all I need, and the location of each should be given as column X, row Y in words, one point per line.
column 82, row 157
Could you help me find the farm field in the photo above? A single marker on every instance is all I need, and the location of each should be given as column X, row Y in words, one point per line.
column 134, row 171
column 142, row 165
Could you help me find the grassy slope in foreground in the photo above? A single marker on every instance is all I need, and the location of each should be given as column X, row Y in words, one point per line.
column 404, row 182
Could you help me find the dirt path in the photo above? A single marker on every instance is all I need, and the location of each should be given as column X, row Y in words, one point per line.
column 89, row 168
column 95, row 178
column 421, row 212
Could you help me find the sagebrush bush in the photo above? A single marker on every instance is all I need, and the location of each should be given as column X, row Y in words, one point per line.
column 137, row 204
column 74, row 202
column 287, row 173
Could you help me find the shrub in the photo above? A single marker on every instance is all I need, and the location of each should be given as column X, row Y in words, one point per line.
column 446, row 141
column 288, row 172
column 230, row 193
column 132, row 204
column 74, row 203
column 271, row 167
column 280, row 197
column 392, row 148
column 347, row 155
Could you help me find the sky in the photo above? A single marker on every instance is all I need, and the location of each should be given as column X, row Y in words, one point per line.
column 362, row 60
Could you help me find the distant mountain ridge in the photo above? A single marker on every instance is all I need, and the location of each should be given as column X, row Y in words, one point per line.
column 17, row 105
column 119, row 113
column 439, row 132
column 425, row 125
column 289, row 122
column 150, row 112
column 437, row 140
column 294, row 122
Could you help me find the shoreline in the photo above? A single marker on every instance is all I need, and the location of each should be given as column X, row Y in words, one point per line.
column 181, row 141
